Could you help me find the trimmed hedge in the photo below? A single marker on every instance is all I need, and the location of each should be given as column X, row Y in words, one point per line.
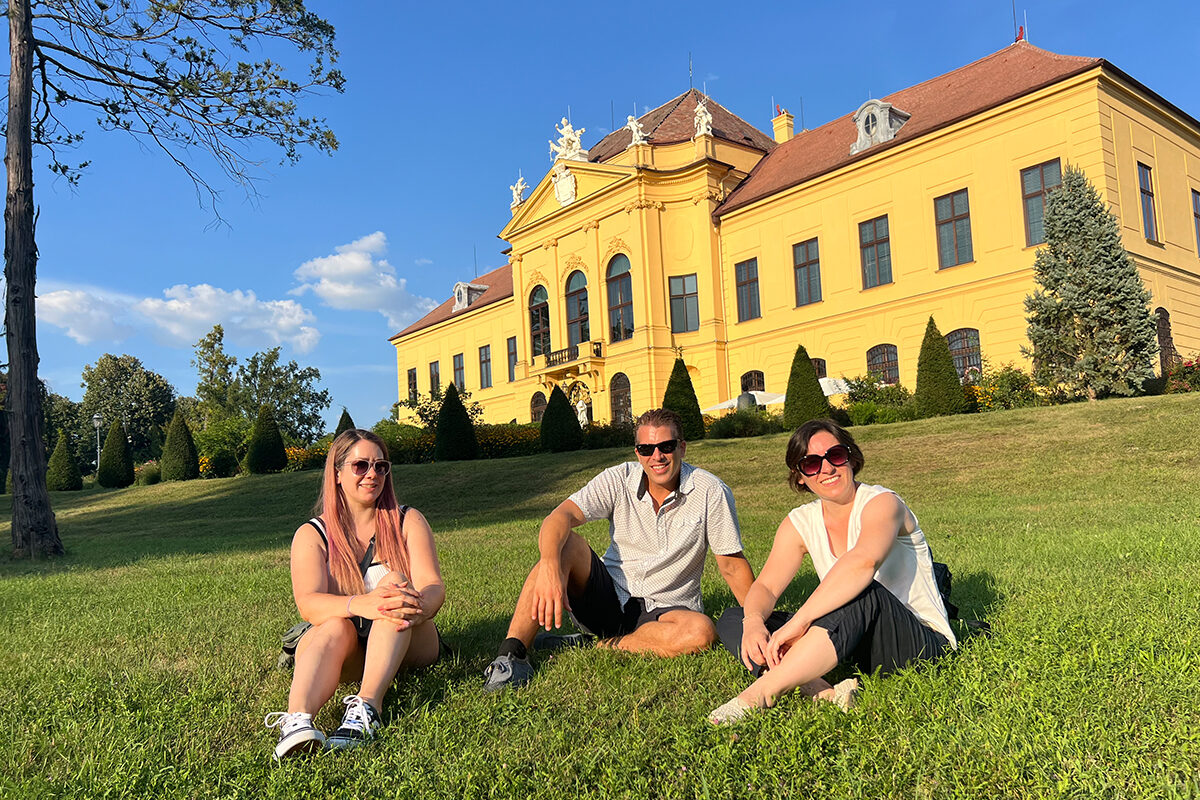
column 62, row 473
column 805, row 398
column 680, row 397
column 560, row 426
column 454, row 438
column 344, row 423
column 620, row 433
column 116, row 463
column 179, row 460
column 266, row 452
column 939, row 390
column 509, row 440
column 748, row 422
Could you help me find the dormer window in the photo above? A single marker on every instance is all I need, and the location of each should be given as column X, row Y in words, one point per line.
column 877, row 122
column 466, row 293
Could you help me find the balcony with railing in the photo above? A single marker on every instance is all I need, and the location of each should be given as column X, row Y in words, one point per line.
column 576, row 359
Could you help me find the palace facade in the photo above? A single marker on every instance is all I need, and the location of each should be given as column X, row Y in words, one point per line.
column 689, row 230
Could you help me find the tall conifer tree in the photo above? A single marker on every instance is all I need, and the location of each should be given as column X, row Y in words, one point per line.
column 939, row 390
column 680, row 397
column 805, row 398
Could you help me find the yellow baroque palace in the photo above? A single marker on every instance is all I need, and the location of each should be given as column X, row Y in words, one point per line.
column 691, row 231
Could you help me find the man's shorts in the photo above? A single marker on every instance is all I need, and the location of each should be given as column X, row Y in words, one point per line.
column 598, row 610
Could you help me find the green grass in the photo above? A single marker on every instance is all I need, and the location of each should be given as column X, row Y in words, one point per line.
column 142, row 663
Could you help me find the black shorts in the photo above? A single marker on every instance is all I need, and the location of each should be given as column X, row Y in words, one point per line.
column 597, row 609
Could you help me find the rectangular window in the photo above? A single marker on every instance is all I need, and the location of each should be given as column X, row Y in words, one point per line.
column 512, row 359
column 412, row 385
column 746, row 277
column 876, row 250
column 459, row 373
column 953, row 229
column 819, row 367
column 1196, row 217
column 685, row 303
column 485, row 367
column 1146, row 187
column 1035, row 183
column 435, row 379
column 808, row 272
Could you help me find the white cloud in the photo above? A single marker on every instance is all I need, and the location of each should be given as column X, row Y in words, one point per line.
column 422, row 262
column 86, row 316
column 356, row 278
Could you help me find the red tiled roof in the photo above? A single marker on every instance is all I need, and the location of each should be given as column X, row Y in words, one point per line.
column 993, row 80
column 674, row 121
column 500, row 285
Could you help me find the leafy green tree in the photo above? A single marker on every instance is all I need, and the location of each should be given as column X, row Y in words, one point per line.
column 116, row 462
column 216, row 370
column 680, row 397
column 427, row 407
column 120, row 389
column 224, row 443
column 560, row 427
column 179, row 460
column 805, row 398
column 64, row 417
column 939, row 390
column 288, row 388
column 1090, row 325
column 62, row 474
column 345, row 423
column 455, row 437
column 173, row 73
column 266, row 452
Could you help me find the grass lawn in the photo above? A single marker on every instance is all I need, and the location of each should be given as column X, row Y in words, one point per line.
column 141, row 664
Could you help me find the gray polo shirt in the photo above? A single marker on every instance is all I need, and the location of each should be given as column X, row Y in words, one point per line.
column 659, row 557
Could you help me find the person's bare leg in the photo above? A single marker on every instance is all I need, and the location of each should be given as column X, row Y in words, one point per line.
column 424, row 648
column 319, row 658
column 577, row 559
column 386, row 648
column 806, row 661
column 675, row 633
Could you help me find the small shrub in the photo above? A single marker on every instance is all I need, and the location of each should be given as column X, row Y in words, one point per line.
column 62, row 473
column 509, row 440
column 394, row 434
column 868, row 388
column 598, row 436
column 939, row 389
column 265, row 453
column 1184, row 376
column 417, row 450
column 223, row 443
column 862, row 412
column 560, row 427
column 147, row 474
column 345, row 423
column 179, row 459
column 680, row 397
column 455, row 436
column 748, row 422
column 805, row 398
column 116, row 463
column 1003, row 388
column 302, row 458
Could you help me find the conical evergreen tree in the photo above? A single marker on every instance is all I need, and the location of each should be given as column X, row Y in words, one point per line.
column 179, row 460
column 680, row 397
column 62, row 473
column 805, row 398
column 266, row 452
column 1090, row 325
column 116, row 462
column 345, row 423
column 560, row 426
column 455, row 435
column 939, row 390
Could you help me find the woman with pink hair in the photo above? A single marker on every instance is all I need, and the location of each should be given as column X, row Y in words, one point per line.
column 365, row 574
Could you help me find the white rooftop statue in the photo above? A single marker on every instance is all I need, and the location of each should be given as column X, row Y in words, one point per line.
column 570, row 143
column 703, row 119
column 637, row 135
column 518, row 190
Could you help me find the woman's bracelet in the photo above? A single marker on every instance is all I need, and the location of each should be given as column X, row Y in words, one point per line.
column 348, row 599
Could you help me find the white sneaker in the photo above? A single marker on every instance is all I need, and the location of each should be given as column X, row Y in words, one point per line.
column 734, row 710
column 296, row 733
column 359, row 724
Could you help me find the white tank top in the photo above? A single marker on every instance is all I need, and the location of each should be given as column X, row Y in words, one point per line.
column 906, row 571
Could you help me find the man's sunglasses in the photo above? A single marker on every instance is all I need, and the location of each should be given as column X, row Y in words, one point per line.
column 360, row 466
column 666, row 448
column 837, row 456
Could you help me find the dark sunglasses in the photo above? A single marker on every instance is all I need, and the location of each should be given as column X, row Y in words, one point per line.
column 360, row 466
column 837, row 456
column 666, row 448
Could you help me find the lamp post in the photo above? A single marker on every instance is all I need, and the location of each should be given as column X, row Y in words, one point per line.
column 96, row 420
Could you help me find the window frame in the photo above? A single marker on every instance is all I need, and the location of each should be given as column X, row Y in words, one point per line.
column 1196, row 217
column 889, row 372
column 578, row 327
column 1146, row 202
column 512, row 359
column 539, row 322
column 435, row 378
column 1039, row 193
column 485, row 366
column 615, row 393
column 460, row 372
column 412, row 385
column 806, row 258
column 541, row 408
column 745, row 276
column 951, row 223
column 753, row 378
column 965, row 357
column 820, row 367
column 619, row 287
column 874, row 247
column 688, row 302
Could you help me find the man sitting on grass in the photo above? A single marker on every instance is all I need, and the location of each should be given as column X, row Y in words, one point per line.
column 644, row 596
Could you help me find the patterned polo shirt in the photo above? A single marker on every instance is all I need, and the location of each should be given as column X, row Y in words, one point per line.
column 659, row 556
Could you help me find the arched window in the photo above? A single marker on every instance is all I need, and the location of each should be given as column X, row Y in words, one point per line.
column 882, row 362
column 754, row 381
column 577, row 309
column 964, row 347
column 819, row 367
column 620, row 299
column 537, row 406
column 539, row 323
column 622, row 398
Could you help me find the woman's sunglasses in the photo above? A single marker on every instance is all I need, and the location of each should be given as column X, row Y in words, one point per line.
column 666, row 448
column 360, row 466
column 837, row 456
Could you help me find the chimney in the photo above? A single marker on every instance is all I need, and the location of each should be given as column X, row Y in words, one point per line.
column 783, row 125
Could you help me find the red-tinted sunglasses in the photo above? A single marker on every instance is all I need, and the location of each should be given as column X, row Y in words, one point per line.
column 837, row 456
column 360, row 466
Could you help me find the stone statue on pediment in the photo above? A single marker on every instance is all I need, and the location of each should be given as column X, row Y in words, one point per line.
column 702, row 119
column 564, row 184
column 637, row 135
column 518, row 190
column 570, row 142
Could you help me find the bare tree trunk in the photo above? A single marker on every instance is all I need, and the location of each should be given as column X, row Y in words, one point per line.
column 34, row 530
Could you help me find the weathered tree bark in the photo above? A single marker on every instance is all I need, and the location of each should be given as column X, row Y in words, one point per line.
column 34, row 529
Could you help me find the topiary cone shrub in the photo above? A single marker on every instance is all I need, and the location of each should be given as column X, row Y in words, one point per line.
column 116, row 463
column 454, row 435
column 939, row 390
column 266, row 452
column 680, row 397
column 560, row 426
column 62, row 473
column 345, row 423
column 805, row 398
column 179, row 461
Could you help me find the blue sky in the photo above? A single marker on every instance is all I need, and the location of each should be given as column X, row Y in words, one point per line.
column 444, row 104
